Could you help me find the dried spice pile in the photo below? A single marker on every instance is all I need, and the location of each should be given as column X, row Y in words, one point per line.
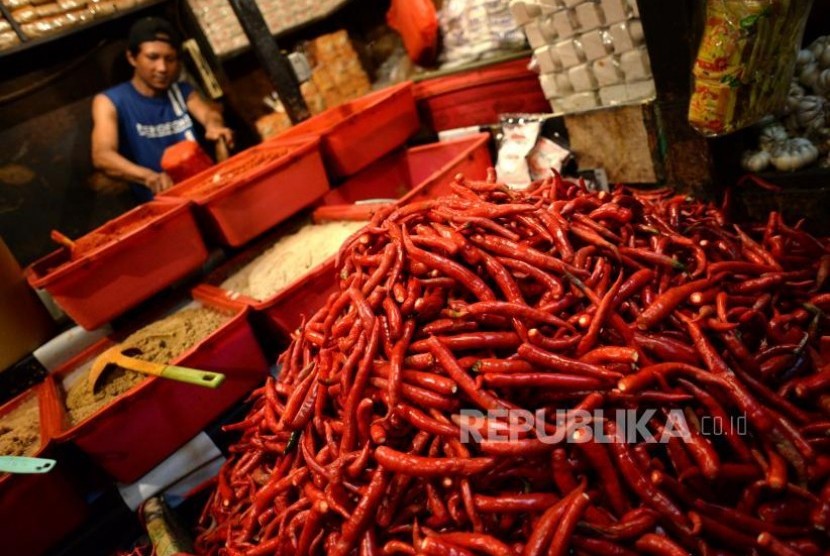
column 290, row 258
column 159, row 342
column 20, row 429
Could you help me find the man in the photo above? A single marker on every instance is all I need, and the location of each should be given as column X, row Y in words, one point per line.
column 134, row 122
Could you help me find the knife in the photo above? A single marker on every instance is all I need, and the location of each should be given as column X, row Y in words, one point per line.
column 23, row 464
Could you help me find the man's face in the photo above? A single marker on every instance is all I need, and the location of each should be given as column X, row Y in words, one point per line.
column 156, row 64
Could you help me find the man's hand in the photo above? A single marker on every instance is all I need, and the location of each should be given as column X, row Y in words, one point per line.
column 215, row 132
column 157, row 181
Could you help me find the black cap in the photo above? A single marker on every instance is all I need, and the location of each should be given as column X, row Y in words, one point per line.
column 148, row 29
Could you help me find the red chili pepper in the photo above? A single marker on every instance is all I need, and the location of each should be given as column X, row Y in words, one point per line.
column 511, row 366
column 507, row 248
column 444, row 357
column 632, row 524
column 560, row 238
column 603, row 309
column 514, row 503
column 418, row 466
column 611, row 354
column 600, row 547
column 556, row 381
column 363, row 514
column 355, row 391
column 668, row 301
column 473, row 340
column 763, row 283
column 545, row 527
column 667, row 348
column 433, row 546
column 652, row 258
column 556, row 362
column 567, row 525
column 640, row 484
column 553, row 284
column 659, row 545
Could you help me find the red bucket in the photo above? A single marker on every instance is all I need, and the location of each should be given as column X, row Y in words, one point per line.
column 478, row 97
column 357, row 133
column 143, row 426
column 256, row 189
column 123, row 262
column 37, row 511
column 407, row 175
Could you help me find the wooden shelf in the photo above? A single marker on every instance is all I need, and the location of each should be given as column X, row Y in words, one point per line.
column 226, row 56
column 29, row 43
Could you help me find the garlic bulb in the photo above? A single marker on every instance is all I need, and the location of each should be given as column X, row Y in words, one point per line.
column 809, row 113
column 755, row 161
column 822, row 84
column 793, row 154
column 808, row 74
column 805, row 56
column 771, row 135
column 821, row 51
column 818, row 46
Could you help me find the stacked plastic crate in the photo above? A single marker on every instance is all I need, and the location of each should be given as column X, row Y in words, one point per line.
column 590, row 53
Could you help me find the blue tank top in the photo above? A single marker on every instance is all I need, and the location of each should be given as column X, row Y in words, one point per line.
column 148, row 125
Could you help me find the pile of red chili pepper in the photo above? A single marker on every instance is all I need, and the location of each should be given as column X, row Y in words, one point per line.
column 555, row 298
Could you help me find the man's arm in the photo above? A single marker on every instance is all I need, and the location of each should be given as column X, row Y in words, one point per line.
column 105, row 156
column 211, row 118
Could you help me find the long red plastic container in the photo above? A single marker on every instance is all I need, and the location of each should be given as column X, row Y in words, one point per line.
column 137, row 255
column 37, row 511
column 478, row 97
column 357, row 133
column 409, row 175
column 137, row 431
column 245, row 195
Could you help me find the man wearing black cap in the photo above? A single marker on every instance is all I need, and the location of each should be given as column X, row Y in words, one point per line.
column 134, row 122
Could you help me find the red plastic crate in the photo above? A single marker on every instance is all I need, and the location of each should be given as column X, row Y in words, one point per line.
column 151, row 246
column 409, row 175
column 137, row 431
column 357, row 133
column 37, row 511
column 478, row 97
column 261, row 187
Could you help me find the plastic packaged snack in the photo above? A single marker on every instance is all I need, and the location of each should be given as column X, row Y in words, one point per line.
column 745, row 62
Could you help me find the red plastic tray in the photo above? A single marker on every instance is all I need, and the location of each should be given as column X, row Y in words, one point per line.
column 261, row 187
column 478, row 97
column 137, row 431
column 409, row 175
column 357, row 133
column 138, row 262
column 37, row 511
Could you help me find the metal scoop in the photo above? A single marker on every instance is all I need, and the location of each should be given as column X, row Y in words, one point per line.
column 124, row 358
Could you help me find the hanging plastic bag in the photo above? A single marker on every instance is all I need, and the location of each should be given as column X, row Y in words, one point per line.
column 745, row 62
column 417, row 23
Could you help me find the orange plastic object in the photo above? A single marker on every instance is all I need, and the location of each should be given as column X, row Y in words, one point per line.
column 357, row 133
column 407, row 175
column 141, row 428
column 122, row 263
column 247, row 194
column 417, row 23
column 478, row 97
column 37, row 511
column 184, row 159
